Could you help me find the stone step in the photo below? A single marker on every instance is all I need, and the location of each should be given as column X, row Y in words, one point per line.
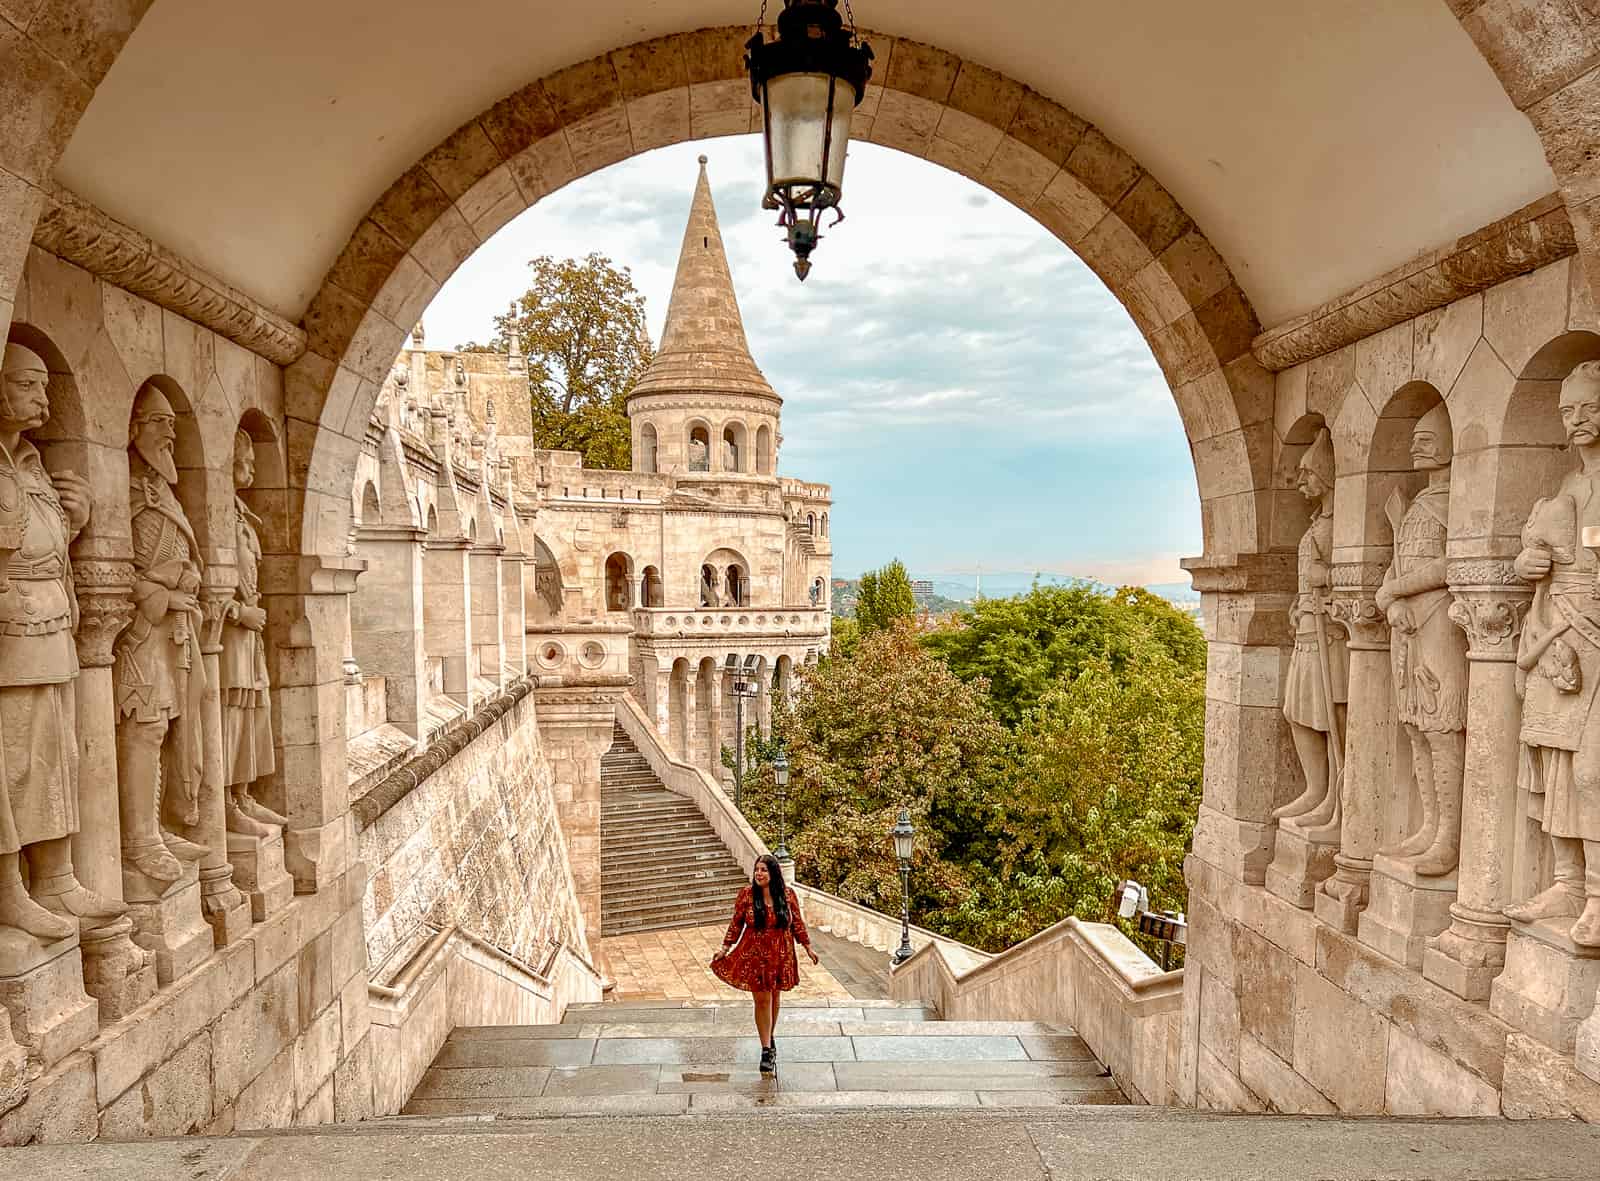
column 619, row 852
column 666, row 806
column 665, row 826
column 659, row 878
column 693, row 893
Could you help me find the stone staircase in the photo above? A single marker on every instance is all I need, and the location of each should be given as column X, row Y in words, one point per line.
column 661, row 863
column 676, row 1057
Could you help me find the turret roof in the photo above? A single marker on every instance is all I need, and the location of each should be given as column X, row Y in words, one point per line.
column 703, row 347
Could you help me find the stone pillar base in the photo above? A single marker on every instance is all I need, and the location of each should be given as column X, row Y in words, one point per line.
column 1403, row 910
column 51, row 1015
column 171, row 926
column 258, row 871
column 1299, row 866
column 1466, row 957
column 1548, row 986
column 116, row 971
column 224, row 906
column 1341, row 898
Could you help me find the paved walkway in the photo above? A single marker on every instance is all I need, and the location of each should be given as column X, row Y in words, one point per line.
column 1067, row 1144
column 672, row 965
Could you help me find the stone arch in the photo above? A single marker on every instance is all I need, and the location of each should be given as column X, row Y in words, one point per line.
column 200, row 488
column 764, row 450
column 1023, row 146
column 678, row 719
column 62, row 440
column 618, row 582
column 651, row 593
column 697, row 454
column 734, row 450
column 268, row 494
column 707, row 724
column 648, row 448
column 371, row 510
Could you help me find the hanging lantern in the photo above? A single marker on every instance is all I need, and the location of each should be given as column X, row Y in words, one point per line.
column 808, row 83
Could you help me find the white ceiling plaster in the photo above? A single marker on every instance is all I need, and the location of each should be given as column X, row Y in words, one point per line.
column 1317, row 143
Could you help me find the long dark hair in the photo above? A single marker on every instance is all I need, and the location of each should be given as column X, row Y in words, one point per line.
column 775, row 886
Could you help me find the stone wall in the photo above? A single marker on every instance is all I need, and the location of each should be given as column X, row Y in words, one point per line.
column 476, row 844
column 1333, row 966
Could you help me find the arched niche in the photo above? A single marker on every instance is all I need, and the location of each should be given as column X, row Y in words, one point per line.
column 651, row 593
column 735, row 455
column 268, row 494
column 205, row 490
column 764, row 449
column 648, row 445
column 371, row 510
column 545, row 605
column 1294, row 513
column 618, row 582
column 697, row 444
column 678, row 720
column 1379, row 473
column 62, row 441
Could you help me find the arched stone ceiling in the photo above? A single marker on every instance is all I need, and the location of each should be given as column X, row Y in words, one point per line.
column 1316, row 144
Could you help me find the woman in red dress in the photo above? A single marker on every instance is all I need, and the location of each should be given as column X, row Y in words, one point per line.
column 766, row 925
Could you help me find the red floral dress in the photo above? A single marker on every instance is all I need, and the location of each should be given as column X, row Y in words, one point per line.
column 763, row 961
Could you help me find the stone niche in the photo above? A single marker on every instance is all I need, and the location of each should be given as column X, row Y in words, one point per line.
column 1393, row 899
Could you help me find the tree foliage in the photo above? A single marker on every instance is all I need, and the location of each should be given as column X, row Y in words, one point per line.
column 1022, row 646
column 885, row 597
column 581, row 326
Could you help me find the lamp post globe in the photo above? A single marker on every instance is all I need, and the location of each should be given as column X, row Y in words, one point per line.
column 904, row 841
column 808, row 82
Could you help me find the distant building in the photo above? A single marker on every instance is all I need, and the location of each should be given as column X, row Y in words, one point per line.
column 921, row 589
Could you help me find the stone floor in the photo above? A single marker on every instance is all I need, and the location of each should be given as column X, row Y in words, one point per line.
column 1059, row 1144
column 672, row 965
column 674, row 1058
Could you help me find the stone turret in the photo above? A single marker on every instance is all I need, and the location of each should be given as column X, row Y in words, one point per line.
column 703, row 405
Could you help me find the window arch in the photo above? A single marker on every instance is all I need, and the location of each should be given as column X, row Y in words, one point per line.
column 734, row 456
column 699, row 447
column 619, row 582
column 811, row 524
column 650, row 590
column 764, row 450
column 824, row 524
column 647, row 448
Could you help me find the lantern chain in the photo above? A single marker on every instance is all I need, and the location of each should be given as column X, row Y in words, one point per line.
column 848, row 15
column 761, row 19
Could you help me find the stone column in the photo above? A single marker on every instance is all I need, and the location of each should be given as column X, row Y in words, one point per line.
column 116, row 972
column 488, row 636
column 575, row 729
column 225, row 908
column 386, row 619
column 307, row 600
column 513, row 613
column 447, row 613
column 1368, row 748
column 686, row 750
column 1490, row 605
column 1250, row 765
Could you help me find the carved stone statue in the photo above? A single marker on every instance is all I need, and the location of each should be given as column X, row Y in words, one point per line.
column 246, row 701
column 1316, row 690
column 708, row 587
column 1558, row 660
column 158, row 671
column 1428, row 653
column 39, row 516
column 699, row 456
column 816, row 592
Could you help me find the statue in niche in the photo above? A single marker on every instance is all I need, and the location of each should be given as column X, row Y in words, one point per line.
column 40, row 514
column 1428, row 654
column 1316, row 691
column 730, row 455
column 1558, row 663
column 246, row 692
column 699, row 457
column 158, row 672
column 708, row 587
column 816, row 593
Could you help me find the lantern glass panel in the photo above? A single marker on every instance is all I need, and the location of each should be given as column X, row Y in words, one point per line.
column 798, row 107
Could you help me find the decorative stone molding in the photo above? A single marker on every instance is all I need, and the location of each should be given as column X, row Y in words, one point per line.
column 1471, row 572
column 74, row 230
column 1242, row 573
column 1492, row 619
column 1356, row 610
column 105, row 607
column 1367, row 575
column 213, row 612
column 1532, row 237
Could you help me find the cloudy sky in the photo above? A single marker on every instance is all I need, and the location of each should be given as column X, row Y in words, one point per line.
column 973, row 393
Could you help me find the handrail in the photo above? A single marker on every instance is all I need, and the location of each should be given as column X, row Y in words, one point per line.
column 414, row 967
column 998, row 961
column 406, row 978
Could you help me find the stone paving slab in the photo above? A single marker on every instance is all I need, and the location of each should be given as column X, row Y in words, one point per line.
column 740, row 1079
column 876, row 1028
column 958, row 1144
column 1076, row 1077
column 557, row 1107
column 468, row 1033
column 683, row 1029
column 603, row 1080
column 517, row 1052
column 479, row 1082
column 910, row 1047
column 832, row 1100
column 717, row 1049
column 1057, row 1048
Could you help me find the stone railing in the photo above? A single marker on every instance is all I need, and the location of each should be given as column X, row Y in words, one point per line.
column 1087, row 975
column 737, row 621
column 455, row 978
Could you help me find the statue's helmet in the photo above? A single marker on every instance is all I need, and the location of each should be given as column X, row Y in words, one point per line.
column 21, row 359
column 1436, row 422
column 1318, row 458
column 151, row 403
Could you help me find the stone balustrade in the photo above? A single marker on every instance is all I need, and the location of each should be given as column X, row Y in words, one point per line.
column 744, row 623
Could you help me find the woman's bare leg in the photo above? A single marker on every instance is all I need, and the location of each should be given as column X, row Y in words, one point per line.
column 764, row 1007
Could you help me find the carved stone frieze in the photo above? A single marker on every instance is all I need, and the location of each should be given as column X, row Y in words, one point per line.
column 105, row 607
column 1483, row 572
column 1357, row 574
column 72, row 229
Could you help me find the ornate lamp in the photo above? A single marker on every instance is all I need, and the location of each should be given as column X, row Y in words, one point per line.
column 780, row 776
column 904, row 839
column 808, row 83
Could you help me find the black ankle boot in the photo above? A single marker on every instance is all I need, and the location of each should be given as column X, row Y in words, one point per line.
column 768, row 1064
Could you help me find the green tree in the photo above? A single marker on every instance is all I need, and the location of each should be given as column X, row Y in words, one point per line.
column 885, row 597
column 1023, row 646
column 889, row 727
column 581, row 326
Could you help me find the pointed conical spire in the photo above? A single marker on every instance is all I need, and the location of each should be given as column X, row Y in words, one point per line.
column 703, row 345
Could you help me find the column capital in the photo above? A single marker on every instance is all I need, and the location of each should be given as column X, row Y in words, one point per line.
column 104, row 589
column 1354, row 604
column 1490, row 605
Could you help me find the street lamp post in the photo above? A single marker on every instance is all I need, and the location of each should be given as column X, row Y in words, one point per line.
column 904, row 837
column 743, row 687
column 780, row 776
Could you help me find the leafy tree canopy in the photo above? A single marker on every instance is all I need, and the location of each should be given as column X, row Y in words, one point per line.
column 581, row 326
column 1024, row 645
column 885, row 597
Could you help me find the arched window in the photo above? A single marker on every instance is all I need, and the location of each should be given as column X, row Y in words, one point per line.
column 733, row 448
column 824, row 524
column 738, row 587
column 699, row 448
column 764, row 450
column 708, row 586
column 647, row 448
column 619, row 582
column 811, row 524
column 650, row 592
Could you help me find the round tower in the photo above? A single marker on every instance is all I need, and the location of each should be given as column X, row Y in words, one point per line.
column 702, row 406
